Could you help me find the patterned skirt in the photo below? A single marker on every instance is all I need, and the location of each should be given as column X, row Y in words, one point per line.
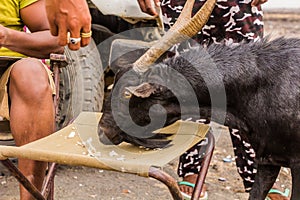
column 232, row 21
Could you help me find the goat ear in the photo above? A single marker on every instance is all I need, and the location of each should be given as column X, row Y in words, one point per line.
column 144, row 90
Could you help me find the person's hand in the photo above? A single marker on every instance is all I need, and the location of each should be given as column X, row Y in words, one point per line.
column 258, row 2
column 70, row 20
column 147, row 6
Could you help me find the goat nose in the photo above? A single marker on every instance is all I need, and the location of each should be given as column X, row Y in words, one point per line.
column 103, row 138
column 109, row 140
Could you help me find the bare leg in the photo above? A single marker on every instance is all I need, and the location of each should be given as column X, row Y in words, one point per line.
column 189, row 190
column 276, row 196
column 31, row 114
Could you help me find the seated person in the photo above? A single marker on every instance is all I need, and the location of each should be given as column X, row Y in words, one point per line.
column 27, row 86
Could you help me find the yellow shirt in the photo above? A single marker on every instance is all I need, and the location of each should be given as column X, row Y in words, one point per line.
column 10, row 18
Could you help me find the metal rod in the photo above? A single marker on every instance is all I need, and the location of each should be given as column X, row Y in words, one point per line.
column 56, row 81
column 23, row 180
column 204, row 167
column 169, row 181
column 49, row 181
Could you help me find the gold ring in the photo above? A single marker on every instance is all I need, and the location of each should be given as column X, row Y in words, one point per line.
column 86, row 35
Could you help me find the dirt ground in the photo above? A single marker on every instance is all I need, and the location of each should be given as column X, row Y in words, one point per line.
column 78, row 183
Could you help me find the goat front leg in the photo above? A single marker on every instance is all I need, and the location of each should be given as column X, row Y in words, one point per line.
column 264, row 180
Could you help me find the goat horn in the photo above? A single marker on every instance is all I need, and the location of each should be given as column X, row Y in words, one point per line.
column 184, row 28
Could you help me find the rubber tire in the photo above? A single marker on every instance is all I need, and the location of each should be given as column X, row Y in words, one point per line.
column 81, row 84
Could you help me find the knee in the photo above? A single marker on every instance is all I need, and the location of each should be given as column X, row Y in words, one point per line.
column 29, row 79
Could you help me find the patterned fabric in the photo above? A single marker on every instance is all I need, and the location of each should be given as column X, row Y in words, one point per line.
column 244, row 157
column 190, row 161
column 231, row 21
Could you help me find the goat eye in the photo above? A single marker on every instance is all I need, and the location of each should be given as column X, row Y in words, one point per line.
column 127, row 95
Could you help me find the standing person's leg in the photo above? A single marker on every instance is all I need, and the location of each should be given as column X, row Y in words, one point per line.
column 31, row 114
column 189, row 168
column 226, row 26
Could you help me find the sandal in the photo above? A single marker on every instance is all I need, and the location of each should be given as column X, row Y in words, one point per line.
column 275, row 191
column 188, row 197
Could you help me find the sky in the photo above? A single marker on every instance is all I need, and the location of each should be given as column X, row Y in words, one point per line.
column 282, row 4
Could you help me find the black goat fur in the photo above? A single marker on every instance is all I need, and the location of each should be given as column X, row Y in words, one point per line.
column 262, row 86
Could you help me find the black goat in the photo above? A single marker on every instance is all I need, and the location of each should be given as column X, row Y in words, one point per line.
column 261, row 81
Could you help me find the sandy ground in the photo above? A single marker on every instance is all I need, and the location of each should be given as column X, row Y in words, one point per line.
column 78, row 183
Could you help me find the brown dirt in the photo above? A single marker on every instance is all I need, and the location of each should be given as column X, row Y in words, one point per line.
column 77, row 183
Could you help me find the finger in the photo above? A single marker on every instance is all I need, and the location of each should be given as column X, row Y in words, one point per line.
column 62, row 34
column 142, row 5
column 157, row 3
column 53, row 29
column 264, row 1
column 51, row 19
column 74, row 42
column 258, row 2
column 254, row 2
column 52, row 24
column 86, row 33
column 149, row 7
